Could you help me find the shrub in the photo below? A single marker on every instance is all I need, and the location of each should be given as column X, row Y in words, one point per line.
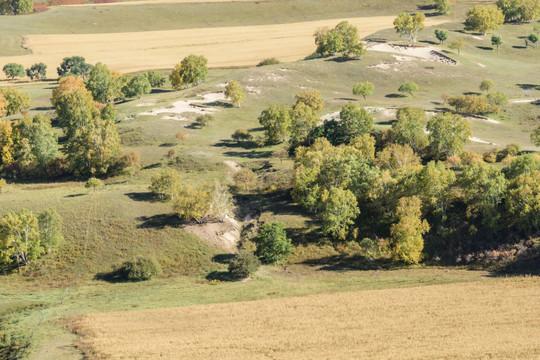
column 3, row 184
column 244, row 265
column 140, row 269
column 203, row 120
column 272, row 243
column 269, row 61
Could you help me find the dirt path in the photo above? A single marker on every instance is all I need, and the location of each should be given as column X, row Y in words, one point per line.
column 155, row 2
column 224, row 47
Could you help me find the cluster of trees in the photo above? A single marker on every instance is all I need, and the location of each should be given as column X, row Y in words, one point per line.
column 16, row 7
column 474, row 104
column 192, row 70
column 484, row 18
column 199, row 203
column 520, row 10
column 26, row 236
column 377, row 185
column 344, row 39
column 35, row 72
column 409, row 25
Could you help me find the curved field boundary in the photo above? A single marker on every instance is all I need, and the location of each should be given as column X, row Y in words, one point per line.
column 490, row 319
column 224, row 47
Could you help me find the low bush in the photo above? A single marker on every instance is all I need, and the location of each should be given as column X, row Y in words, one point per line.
column 269, row 61
column 244, row 265
column 141, row 269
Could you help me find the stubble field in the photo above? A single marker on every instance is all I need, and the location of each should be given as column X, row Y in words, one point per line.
column 492, row 319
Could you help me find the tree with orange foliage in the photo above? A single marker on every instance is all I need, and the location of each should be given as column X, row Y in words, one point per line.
column 66, row 84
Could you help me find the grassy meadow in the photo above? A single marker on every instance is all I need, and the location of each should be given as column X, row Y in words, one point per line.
column 50, row 300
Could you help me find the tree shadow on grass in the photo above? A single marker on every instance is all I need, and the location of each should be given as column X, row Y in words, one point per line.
column 341, row 59
column 114, row 276
column 528, row 86
column 429, row 42
column 220, row 276
column 250, row 154
column 354, row 262
column 346, row 99
column 518, row 47
column 75, row 195
column 159, row 221
column 223, row 258
column 234, row 144
column 472, row 93
column 219, row 103
column 141, row 196
column 395, row 96
column 487, row 48
column 152, row 166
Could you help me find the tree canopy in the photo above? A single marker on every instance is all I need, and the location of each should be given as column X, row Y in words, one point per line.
column 343, row 38
column 409, row 26
column 193, row 69
column 75, row 66
column 484, row 18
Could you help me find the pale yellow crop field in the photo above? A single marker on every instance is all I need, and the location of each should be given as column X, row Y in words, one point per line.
column 497, row 319
column 224, row 47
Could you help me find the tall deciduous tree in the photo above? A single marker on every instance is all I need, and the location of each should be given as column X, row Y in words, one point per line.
column 100, row 83
column 234, row 91
column 458, row 45
column 155, row 79
column 276, row 121
column 434, row 184
column 355, row 120
column 343, row 38
column 193, row 69
column 364, row 88
column 339, row 209
column 409, row 127
column 37, row 144
column 137, row 86
column 408, row 87
column 523, row 200
column 441, row 35
column 65, row 85
column 484, row 18
column 272, row 243
column 409, row 26
column 448, row 134
column 74, row 66
column 407, row 233
column 16, row 100
column 13, row 70
column 37, row 71
column 193, row 203
column 3, row 105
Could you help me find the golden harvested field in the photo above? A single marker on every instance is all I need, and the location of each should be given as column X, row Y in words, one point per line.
column 491, row 319
column 224, row 47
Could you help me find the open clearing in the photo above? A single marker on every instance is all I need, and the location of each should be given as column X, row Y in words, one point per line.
column 224, row 47
column 492, row 319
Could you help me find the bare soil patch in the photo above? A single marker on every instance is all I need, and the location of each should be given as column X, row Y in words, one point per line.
column 490, row 319
column 185, row 106
column 423, row 52
column 224, row 234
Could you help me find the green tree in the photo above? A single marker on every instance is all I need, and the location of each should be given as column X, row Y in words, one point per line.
column 272, row 243
column 234, row 91
column 339, row 209
column 311, row 98
column 448, row 134
column 191, row 70
column 409, row 127
column 242, row 135
column 50, row 227
column 3, row 104
column 100, row 83
column 7, row 143
column 434, row 183
column 20, row 240
column 399, row 159
column 535, row 136
column 155, row 79
column 458, row 45
column 523, row 164
column 74, row 66
column 496, row 40
column 483, row 188
column 192, row 203
column 409, row 26
column 137, row 86
column 93, row 183
column 486, row 85
column 442, row 6
column 533, row 39
column 244, row 264
column 304, row 118
column 470, row 104
column 343, row 38
column 364, row 88
column 37, row 145
column 408, row 87
column 355, row 120
column 203, row 120
column 16, row 100
column 75, row 110
column 22, row 6
column 520, row 10
column 13, row 70
column 276, row 121
column 164, row 183
column 245, row 179
column 37, row 71
column 441, row 35
column 407, row 233
column 484, row 18
column 523, row 201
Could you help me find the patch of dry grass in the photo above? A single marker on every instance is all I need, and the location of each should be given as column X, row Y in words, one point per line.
column 224, row 47
column 492, row 319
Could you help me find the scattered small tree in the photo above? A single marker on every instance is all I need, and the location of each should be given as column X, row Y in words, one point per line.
column 410, row 26
column 343, row 38
column 458, row 45
column 193, row 69
column 245, row 179
column 234, row 91
column 203, row 120
column 141, row 269
column 37, row 71
column 484, row 18
column 244, row 264
column 364, row 88
column 486, row 85
column 533, row 40
column 408, row 87
column 93, row 183
column 276, row 121
column 193, row 203
column 242, row 135
column 74, row 65
column 496, row 40
column 155, row 78
column 442, row 6
column 269, row 61
column 222, row 203
column 16, row 100
column 272, row 243
column 163, row 185
column 13, row 70
column 441, row 35
column 181, row 136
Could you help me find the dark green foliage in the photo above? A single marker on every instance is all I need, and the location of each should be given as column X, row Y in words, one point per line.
column 137, row 86
column 269, row 61
column 141, row 269
column 343, row 38
column 533, row 39
column 244, row 265
column 17, row 7
column 74, row 65
column 355, row 120
column 272, row 243
column 441, row 35
column 155, row 79
column 37, row 71
column 496, row 40
column 13, row 70
column 241, row 135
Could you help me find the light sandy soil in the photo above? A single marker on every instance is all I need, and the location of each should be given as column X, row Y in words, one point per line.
column 521, row 101
column 494, row 319
column 224, row 47
column 223, row 234
column 185, row 106
column 480, row 141
column 156, row 2
column 429, row 53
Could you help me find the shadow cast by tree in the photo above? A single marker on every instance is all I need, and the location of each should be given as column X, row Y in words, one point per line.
column 160, row 221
